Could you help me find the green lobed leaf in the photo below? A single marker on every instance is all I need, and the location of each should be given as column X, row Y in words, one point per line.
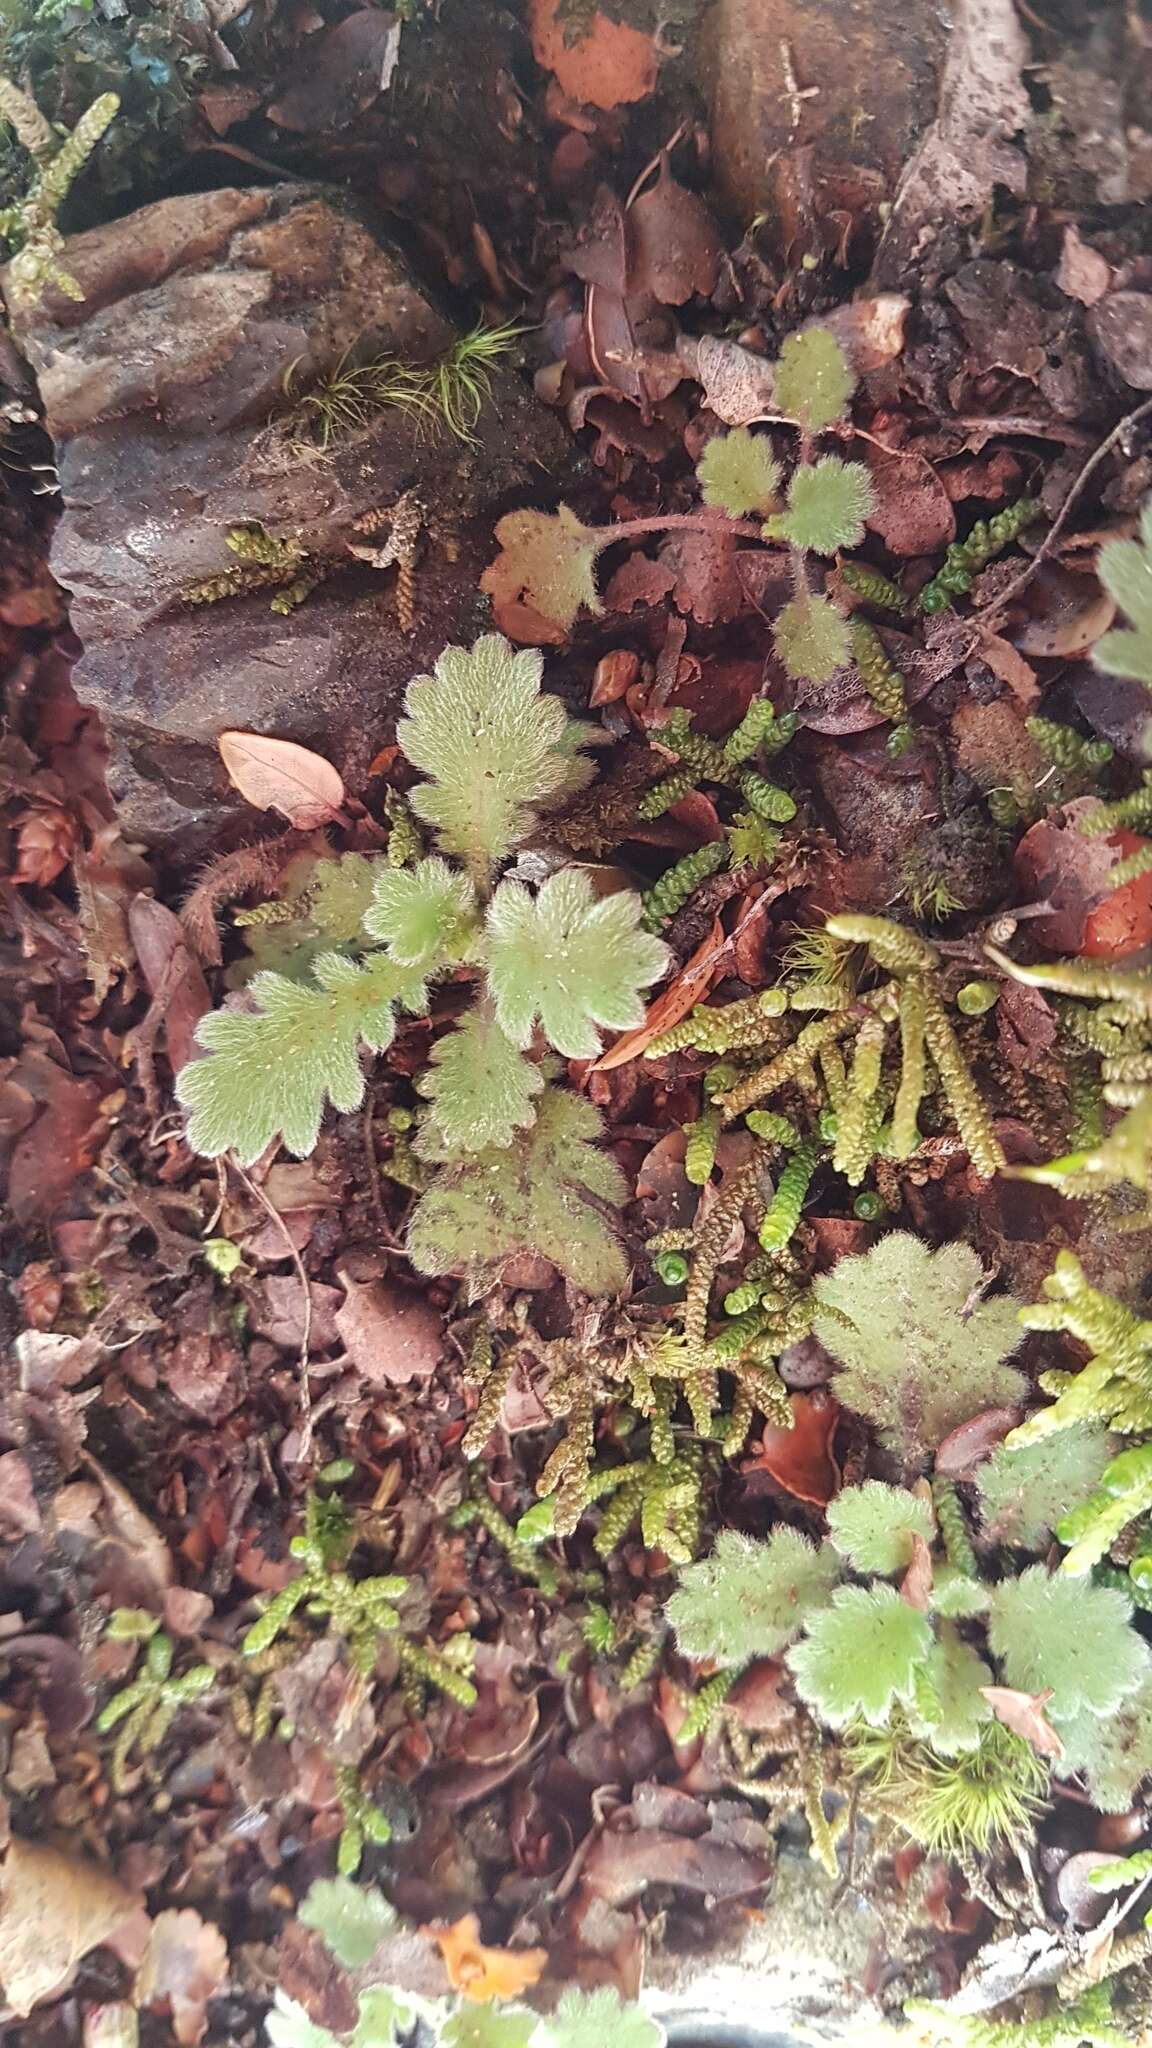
column 426, row 915
column 381, row 2016
column 811, row 638
column 1125, row 569
column 326, row 899
column 873, row 1525
column 527, row 1197
column 598, row 2019
column 570, row 959
column 268, row 1073
column 495, row 749
column 488, row 2026
column 861, row 1655
column 919, row 1350
column 351, row 1919
column 547, row 560
column 1024, row 1489
column 828, row 502
column 480, row 1087
column 1068, row 1636
column 814, row 380
column 739, row 473
column 287, row 2025
column 1114, row 1751
column 954, row 1674
column 750, row 1598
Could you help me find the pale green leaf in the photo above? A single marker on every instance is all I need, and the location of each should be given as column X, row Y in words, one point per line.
column 1114, row 1751
column 828, row 502
column 953, row 1676
column 573, row 960
column 473, row 2025
column 1125, row 569
column 546, row 560
column 811, row 638
column 873, row 1525
column 287, row 2025
column 268, row 1073
column 1066, row 1635
column 739, row 473
column 750, row 1598
column 861, row 1655
column 955, row 1594
column 326, row 900
column 381, row 2016
column 351, row 1919
column 598, row 2019
column 920, row 1351
column 814, row 380
column 480, row 1087
column 1025, row 1489
column 496, row 750
column 527, row 1197
column 426, row 915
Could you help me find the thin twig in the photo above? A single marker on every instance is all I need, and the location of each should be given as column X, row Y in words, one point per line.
column 270, row 1209
column 1105, row 447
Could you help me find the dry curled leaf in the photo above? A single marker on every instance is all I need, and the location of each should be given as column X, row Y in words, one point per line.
column 800, row 1459
column 738, row 385
column 185, row 1964
column 1023, row 1713
column 481, row 1973
column 545, row 567
column 53, row 1909
column 278, row 775
column 390, row 1335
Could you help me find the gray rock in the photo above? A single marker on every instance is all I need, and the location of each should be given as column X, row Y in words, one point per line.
column 158, row 389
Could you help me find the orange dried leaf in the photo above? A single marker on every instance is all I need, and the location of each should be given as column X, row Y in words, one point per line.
column 608, row 64
column 483, row 1973
column 800, row 1459
column 278, row 775
column 1023, row 1713
column 693, row 981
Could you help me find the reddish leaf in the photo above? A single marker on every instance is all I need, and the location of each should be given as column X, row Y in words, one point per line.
column 1074, row 630
column 800, row 1459
column 707, row 581
column 913, row 512
column 278, row 775
column 1123, row 922
column 676, row 250
column 739, row 386
column 916, row 1585
column 689, row 987
column 390, row 1335
column 1006, row 662
column 185, row 1965
column 639, row 581
column 966, row 1447
column 1059, row 864
column 60, row 1144
column 608, row 64
column 1023, row 1713
column 756, row 1698
column 173, row 974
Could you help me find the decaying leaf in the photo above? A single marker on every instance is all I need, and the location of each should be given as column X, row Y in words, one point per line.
column 739, row 386
column 483, row 1973
column 390, row 1335
column 1023, row 1713
column 545, row 562
column 607, row 64
column 53, row 1910
column 278, row 775
column 185, row 1964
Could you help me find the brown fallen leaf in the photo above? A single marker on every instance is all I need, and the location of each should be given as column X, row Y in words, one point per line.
column 53, row 1910
column 174, row 976
column 278, row 775
column 481, row 1973
column 185, row 1964
column 800, row 1459
column 607, row 64
column 675, row 248
column 1009, row 664
column 690, row 986
column 739, row 386
column 1074, row 632
column 1023, row 1713
column 60, row 1143
column 916, row 1585
column 390, row 1335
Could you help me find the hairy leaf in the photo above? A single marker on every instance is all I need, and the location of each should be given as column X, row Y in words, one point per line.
column 828, row 502
column 496, row 750
column 1025, row 1489
column 860, row 1655
column 488, row 2026
column 598, row 2019
column 814, row 380
column 527, row 1197
column 546, row 560
column 920, row 1350
column 1114, row 1751
column 287, row 2025
column 750, row 1598
column 426, row 915
column 1125, row 569
column 351, row 1919
column 739, row 473
column 480, row 1087
column 324, row 903
column 1068, row 1636
column 570, row 959
column 953, row 1709
column 873, row 1525
column 381, row 2017
column 811, row 638
column 269, row 1073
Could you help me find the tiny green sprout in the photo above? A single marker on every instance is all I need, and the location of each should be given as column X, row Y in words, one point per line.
column 867, row 1206
column 222, row 1257
column 598, row 1629
column 146, row 1707
column 829, row 1124
column 363, row 1822
column 977, row 997
column 671, row 1268
column 537, row 1523
column 337, row 1472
